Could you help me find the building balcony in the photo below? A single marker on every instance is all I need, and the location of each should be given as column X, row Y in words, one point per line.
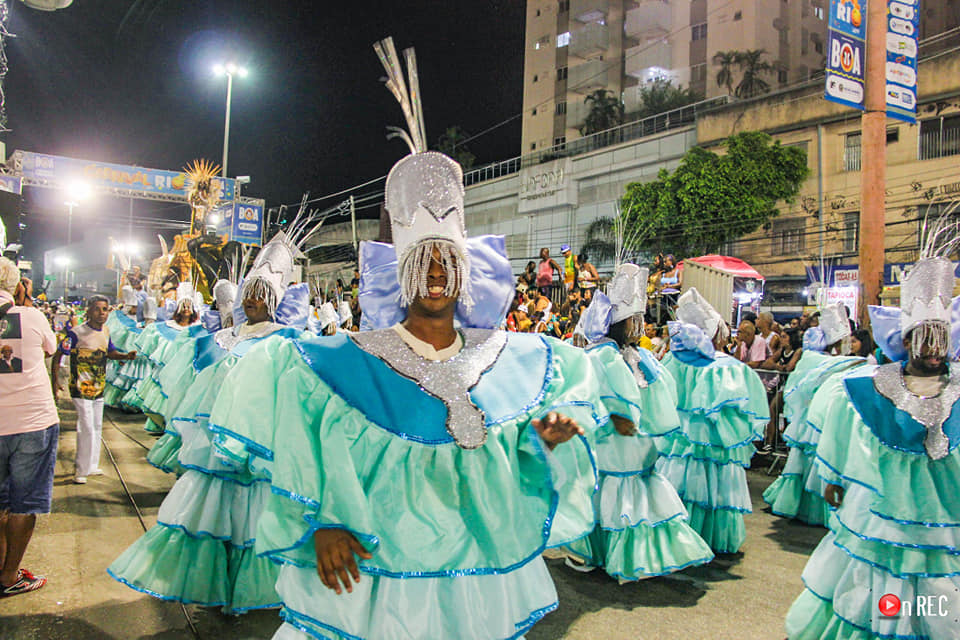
column 577, row 112
column 589, row 10
column 587, row 77
column 650, row 18
column 589, row 40
column 640, row 59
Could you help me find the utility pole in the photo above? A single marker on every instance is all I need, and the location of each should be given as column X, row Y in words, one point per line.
column 873, row 161
column 353, row 224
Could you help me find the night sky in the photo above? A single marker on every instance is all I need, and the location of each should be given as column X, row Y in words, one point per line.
column 132, row 83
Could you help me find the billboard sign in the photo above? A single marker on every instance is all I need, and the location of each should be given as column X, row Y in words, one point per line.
column 124, row 180
column 903, row 23
column 242, row 222
column 846, row 38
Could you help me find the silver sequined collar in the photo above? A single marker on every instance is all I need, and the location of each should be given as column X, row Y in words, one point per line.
column 232, row 336
column 930, row 411
column 632, row 358
column 450, row 381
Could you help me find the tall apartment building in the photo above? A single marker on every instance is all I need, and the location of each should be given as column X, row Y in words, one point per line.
column 574, row 47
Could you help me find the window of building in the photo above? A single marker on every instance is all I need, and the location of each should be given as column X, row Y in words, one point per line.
column 563, row 6
column 563, row 39
column 804, row 42
column 533, row 146
column 893, row 134
column 939, row 137
column 561, row 108
column 534, row 112
column 818, row 12
column 818, row 46
column 559, row 142
column 535, row 77
column 698, row 31
column 737, row 15
column 851, row 152
column 538, row 13
column 850, row 234
column 782, row 76
column 949, row 211
column 542, row 43
column 788, row 237
column 698, row 73
column 562, row 73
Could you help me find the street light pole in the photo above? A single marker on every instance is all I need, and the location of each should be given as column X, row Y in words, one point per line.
column 70, row 205
column 226, row 123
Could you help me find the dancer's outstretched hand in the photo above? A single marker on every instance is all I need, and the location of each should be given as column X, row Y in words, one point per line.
column 335, row 550
column 833, row 494
column 555, row 428
column 623, row 426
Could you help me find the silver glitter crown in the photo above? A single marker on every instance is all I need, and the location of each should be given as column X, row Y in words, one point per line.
column 628, row 291
column 275, row 263
column 693, row 309
column 925, row 293
column 834, row 322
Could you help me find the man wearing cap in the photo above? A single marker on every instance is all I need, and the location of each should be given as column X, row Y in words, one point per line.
column 569, row 267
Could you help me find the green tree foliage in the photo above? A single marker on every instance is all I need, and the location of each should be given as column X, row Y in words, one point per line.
column 452, row 143
column 712, row 198
column 606, row 112
column 662, row 95
column 725, row 60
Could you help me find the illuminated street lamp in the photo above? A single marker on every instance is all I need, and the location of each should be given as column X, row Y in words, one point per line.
column 63, row 262
column 76, row 193
column 229, row 69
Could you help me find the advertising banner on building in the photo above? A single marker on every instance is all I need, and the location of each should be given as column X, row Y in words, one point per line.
column 903, row 23
column 242, row 222
column 56, row 171
column 846, row 37
column 547, row 185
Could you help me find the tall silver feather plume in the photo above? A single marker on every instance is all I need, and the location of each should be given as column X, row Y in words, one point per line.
column 410, row 101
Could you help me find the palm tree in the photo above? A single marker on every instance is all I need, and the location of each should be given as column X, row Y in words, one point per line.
column 601, row 241
column 726, row 60
column 606, row 112
column 752, row 66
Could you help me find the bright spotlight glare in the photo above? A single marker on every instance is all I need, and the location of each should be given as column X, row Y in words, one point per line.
column 231, row 68
column 242, row 72
column 62, row 261
column 219, row 70
column 213, row 220
column 77, row 191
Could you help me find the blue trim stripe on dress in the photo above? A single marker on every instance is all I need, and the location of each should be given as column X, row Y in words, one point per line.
column 666, row 570
column 836, row 471
column 901, row 576
column 206, row 535
column 645, row 522
column 913, row 522
column 161, row 596
column 949, row 549
column 713, row 461
column 874, row 634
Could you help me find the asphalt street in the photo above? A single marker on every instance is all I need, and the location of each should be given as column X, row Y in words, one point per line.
column 744, row 596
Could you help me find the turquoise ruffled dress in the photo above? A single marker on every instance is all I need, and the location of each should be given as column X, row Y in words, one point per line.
column 798, row 491
column 208, row 520
column 350, row 440
column 122, row 374
column 723, row 409
column 897, row 530
column 641, row 524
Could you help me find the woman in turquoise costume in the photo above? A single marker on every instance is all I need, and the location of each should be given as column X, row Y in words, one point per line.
column 157, row 343
column 122, row 324
column 723, row 409
column 207, row 521
column 642, row 528
column 888, row 453
column 798, row 491
column 412, row 486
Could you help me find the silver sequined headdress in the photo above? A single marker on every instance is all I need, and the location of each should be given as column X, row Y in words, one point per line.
column 926, row 292
column 424, row 194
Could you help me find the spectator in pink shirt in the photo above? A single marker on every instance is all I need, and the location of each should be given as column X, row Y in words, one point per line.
column 29, row 430
column 751, row 348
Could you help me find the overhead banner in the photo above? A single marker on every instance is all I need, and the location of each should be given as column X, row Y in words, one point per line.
column 846, row 38
column 903, row 23
column 123, row 180
column 242, row 222
column 547, row 185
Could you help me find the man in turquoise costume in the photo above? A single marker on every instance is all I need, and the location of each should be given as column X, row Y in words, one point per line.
column 888, row 453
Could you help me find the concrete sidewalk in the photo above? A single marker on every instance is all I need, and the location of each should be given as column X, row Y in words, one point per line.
column 745, row 596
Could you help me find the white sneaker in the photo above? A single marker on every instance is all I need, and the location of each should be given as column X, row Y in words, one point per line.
column 80, row 480
column 578, row 565
column 96, row 472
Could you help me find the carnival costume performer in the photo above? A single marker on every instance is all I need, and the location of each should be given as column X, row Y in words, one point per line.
column 642, row 528
column 207, row 522
column 798, row 492
column 177, row 376
column 124, row 330
column 888, row 451
column 723, row 409
column 423, row 451
column 158, row 342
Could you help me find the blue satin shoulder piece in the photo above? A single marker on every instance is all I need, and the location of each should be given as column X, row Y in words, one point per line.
column 211, row 321
column 207, row 352
column 369, row 385
column 690, row 345
column 240, row 349
column 166, row 332
column 197, row 330
column 501, row 392
column 814, row 339
column 893, row 427
column 379, row 287
column 294, row 307
column 125, row 320
column 649, row 364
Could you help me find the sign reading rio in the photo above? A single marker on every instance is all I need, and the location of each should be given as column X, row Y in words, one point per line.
column 849, row 11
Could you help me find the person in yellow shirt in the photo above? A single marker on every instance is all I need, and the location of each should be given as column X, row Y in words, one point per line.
column 569, row 267
column 646, row 340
